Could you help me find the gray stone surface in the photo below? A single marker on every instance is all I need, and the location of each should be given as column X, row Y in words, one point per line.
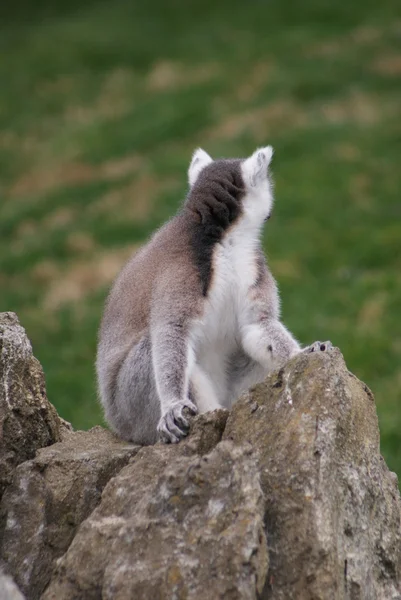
column 332, row 506
column 50, row 496
column 172, row 524
column 27, row 419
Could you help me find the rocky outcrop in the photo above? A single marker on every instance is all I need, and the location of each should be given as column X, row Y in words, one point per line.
column 50, row 496
column 285, row 497
column 27, row 419
column 332, row 506
column 192, row 528
column 178, row 522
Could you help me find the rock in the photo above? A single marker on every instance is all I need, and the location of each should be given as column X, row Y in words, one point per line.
column 172, row 524
column 332, row 506
column 286, row 497
column 50, row 496
column 27, row 419
column 8, row 589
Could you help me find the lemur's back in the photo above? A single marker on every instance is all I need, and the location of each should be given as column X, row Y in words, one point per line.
column 127, row 312
column 128, row 305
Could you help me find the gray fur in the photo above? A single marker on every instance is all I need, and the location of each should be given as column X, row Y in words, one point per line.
column 144, row 321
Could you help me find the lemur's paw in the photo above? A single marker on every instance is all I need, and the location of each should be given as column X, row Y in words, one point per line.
column 319, row 347
column 173, row 425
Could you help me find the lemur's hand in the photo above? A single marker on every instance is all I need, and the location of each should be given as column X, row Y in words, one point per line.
column 173, row 425
column 319, row 347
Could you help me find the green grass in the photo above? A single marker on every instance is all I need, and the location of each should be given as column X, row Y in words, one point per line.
column 100, row 109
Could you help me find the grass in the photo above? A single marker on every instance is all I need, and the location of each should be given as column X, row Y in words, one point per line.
column 101, row 106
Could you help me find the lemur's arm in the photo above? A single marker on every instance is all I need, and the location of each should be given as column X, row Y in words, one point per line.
column 172, row 363
column 269, row 343
column 173, row 359
column 264, row 337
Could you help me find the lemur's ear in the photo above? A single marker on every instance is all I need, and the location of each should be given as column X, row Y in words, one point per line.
column 255, row 167
column 199, row 160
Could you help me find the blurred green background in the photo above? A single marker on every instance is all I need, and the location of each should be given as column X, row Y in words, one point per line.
column 101, row 105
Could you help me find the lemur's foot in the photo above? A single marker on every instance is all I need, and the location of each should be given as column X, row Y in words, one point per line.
column 173, row 425
column 319, row 347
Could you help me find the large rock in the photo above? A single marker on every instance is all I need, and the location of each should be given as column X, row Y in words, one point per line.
column 172, row 524
column 332, row 506
column 27, row 419
column 287, row 497
column 50, row 496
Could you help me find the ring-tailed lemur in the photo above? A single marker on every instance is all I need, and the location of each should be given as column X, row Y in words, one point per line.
column 193, row 318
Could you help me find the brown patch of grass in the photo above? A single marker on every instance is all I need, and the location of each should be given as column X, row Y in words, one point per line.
column 26, row 228
column 255, row 81
column 79, row 241
column 388, row 64
column 64, row 84
column 371, row 313
column 366, row 34
column 120, row 167
column 357, row 107
column 45, row 271
column 260, row 121
column 44, row 180
column 360, row 190
column 47, row 172
column 26, row 148
column 363, row 35
column 167, row 75
column 8, row 140
column 135, row 200
column 347, row 151
column 114, row 100
column 58, row 218
column 55, row 176
column 82, row 278
column 328, row 48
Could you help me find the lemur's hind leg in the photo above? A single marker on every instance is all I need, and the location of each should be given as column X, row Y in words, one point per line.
column 136, row 394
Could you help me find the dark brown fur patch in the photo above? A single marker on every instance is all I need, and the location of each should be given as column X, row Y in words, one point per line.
column 213, row 205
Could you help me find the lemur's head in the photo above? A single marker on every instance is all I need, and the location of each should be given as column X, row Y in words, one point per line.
column 250, row 175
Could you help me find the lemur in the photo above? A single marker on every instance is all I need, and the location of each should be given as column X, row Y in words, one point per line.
column 193, row 319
